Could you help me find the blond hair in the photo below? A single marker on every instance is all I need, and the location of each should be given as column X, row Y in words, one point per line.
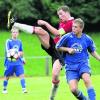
column 80, row 22
column 14, row 29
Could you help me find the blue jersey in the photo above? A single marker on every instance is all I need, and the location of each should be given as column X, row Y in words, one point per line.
column 82, row 46
column 13, row 44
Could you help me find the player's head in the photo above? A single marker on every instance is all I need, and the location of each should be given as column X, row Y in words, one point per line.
column 78, row 25
column 14, row 32
column 63, row 13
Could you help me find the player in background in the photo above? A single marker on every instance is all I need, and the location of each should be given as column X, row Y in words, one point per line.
column 76, row 45
column 47, row 42
column 65, row 23
column 14, row 60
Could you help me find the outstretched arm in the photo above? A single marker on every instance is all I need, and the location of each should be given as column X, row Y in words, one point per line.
column 96, row 55
column 53, row 30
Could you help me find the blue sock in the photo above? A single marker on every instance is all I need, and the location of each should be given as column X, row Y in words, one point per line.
column 5, row 83
column 23, row 83
column 91, row 93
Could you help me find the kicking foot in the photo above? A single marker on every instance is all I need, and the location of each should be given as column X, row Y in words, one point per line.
column 11, row 20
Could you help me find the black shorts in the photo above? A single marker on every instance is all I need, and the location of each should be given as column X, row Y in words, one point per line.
column 53, row 52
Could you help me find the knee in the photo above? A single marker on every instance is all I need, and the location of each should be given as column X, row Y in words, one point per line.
column 87, row 82
column 6, row 78
column 39, row 30
column 86, row 79
column 55, row 76
column 21, row 76
column 56, row 70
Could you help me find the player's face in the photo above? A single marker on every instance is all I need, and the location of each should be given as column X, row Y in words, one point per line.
column 63, row 16
column 76, row 28
column 15, row 34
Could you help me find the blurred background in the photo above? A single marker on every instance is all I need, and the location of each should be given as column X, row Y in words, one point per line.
column 28, row 11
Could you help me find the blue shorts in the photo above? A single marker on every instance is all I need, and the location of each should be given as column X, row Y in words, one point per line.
column 11, row 69
column 75, row 71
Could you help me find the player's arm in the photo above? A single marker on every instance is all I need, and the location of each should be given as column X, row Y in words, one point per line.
column 92, row 49
column 7, row 45
column 7, row 48
column 95, row 55
column 53, row 30
column 66, row 49
column 61, row 45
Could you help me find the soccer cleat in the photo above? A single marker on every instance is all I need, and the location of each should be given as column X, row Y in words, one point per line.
column 11, row 20
column 51, row 98
column 24, row 91
column 4, row 91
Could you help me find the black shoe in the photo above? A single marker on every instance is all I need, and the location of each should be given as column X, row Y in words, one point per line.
column 11, row 20
column 51, row 98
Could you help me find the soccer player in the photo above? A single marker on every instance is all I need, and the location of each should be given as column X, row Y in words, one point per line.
column 65, row 23
column 76, row 45
column 14, row 60
column 65, row 26
column 48, row 43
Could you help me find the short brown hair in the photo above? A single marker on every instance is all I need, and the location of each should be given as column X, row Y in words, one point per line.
column 64, row 8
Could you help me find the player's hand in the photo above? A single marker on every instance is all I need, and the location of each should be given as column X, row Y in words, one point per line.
column 71, row 50
column 16, row 56
column 98, row 57
column 41, row 22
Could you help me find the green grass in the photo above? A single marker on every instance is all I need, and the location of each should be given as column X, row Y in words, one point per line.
column 32, row 48
column 39, row 89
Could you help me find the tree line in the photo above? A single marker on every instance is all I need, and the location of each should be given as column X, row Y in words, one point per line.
column 28, row 11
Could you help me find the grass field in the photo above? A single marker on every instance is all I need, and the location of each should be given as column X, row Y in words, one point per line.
column 39, row 88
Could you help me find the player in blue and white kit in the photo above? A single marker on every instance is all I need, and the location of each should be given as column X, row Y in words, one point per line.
column 13, row 60
column 76, row 46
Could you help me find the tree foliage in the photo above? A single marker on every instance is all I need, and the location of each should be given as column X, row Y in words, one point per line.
column 88, row 10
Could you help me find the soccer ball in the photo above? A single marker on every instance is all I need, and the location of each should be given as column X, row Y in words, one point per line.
column 12, row 54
